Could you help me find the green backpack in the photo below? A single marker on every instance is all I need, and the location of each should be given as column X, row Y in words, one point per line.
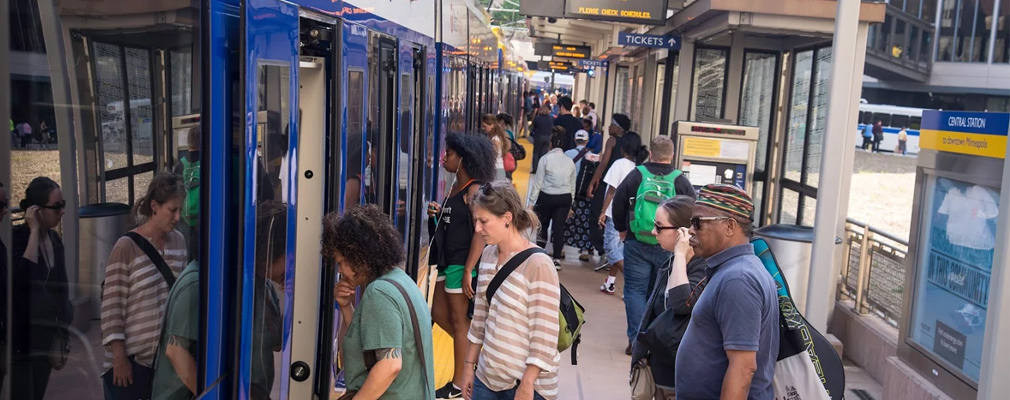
column 653, row 190
column 191, row 178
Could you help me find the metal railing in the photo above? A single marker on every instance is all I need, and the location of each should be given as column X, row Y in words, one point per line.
column 873, row 274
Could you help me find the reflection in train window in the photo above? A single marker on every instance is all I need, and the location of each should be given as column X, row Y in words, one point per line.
column 355, row 131
column 97, row 140
column 271, row 222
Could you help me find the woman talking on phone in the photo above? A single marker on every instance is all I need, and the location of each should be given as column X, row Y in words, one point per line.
column 41, row 304
column 455, row 248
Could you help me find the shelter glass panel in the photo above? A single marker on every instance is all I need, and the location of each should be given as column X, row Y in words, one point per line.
column 788, row 207
column 758, row 99
column 708, row 83
column 796, row 133
column 818, row 122
column 1001, row 50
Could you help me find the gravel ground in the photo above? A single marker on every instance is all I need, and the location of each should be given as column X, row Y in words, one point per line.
column 883, row 186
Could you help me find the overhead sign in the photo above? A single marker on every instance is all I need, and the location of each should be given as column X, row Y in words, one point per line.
column 571, row 51
column 652, row 12
column 593, row 63
column 560, row 65
column 973, row 133
column 655, row 41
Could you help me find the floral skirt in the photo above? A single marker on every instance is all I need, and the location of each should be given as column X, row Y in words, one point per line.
column 577, row 227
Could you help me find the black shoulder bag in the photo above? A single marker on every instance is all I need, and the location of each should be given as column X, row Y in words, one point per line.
column 155, row 257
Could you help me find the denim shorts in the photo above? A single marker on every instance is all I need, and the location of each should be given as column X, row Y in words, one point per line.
column 612, row 243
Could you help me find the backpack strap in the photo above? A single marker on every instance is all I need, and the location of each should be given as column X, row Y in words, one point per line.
column 155, row 257
column 582, row 153
column 416, row 328
column 506, row 270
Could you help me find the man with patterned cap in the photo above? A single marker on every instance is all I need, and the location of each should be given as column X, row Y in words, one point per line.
column 730, row 347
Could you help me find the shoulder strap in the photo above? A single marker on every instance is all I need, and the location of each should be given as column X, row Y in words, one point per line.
column 416, row 328
column 645, row 172
column 155, row 257
column 506, row 270
column 582, row 153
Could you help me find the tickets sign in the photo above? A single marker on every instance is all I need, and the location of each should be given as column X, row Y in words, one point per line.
column 973, row 133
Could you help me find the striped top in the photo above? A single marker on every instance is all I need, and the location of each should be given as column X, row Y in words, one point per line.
column 133, row 301
column 520, row 326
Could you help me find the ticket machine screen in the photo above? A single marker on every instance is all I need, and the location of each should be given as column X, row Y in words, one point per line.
column 702, row 173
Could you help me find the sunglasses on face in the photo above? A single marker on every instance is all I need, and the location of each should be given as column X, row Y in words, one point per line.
column 58, row 206
column 660, row 228
column 696, row 221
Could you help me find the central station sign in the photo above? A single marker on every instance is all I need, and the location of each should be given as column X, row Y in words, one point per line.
column 652, row 12
column 571, row 51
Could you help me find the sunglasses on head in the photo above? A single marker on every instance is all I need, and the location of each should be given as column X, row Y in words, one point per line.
column 487, row 189
column 58, row 206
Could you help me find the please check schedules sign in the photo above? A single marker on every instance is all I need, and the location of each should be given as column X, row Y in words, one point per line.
column 652, row 12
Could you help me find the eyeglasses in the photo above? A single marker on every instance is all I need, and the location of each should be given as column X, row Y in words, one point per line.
column 696, row 221
column 58, row 206
column 660, row 228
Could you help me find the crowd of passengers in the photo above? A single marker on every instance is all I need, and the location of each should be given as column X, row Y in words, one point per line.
column 701, row 311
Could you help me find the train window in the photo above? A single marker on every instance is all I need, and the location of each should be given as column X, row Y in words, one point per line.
column 882, row 117
column 355, row 137
column 899, row 121
column 915, row 123
column 88, row 134
column 271, row 234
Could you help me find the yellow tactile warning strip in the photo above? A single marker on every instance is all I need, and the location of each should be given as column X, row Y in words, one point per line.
column 442, row 341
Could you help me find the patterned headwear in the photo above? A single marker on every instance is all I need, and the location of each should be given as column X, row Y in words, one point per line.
column 727, row 198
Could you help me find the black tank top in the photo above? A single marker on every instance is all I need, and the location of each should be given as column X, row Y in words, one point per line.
column 454, row 230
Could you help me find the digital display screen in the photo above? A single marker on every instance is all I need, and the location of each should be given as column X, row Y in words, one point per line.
column 717, row 130
column 651, row 12
column 954, row 268
column 571, row 51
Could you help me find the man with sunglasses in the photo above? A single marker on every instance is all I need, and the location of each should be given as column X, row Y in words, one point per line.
column 730, row 347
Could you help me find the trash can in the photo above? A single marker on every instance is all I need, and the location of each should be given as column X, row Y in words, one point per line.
column 792, row 246
column 101, row 225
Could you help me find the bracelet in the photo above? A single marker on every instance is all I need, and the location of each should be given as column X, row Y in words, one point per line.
column 469, row 362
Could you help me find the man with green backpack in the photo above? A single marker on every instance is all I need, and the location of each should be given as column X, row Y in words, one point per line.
column 635, row 204
column 189, row 168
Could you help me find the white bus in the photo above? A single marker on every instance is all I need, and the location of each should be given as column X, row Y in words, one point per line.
column 894, row 118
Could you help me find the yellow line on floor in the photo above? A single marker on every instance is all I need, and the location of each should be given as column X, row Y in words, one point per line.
column 441, row 340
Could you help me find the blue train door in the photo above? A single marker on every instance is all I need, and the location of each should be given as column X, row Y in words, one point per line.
column 271, row 148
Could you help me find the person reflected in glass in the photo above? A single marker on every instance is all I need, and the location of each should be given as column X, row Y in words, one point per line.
column 378, row 339
column 136, row 289
column 175, row 367
column 514, row 338
column 268, row 289
column 189, row 169
column 455, row 248
column 501, row 143
column 41, row 304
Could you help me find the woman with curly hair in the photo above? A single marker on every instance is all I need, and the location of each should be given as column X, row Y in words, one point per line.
column 455, row 248
column 501, row 143
column 514, row 337
column 378, row 349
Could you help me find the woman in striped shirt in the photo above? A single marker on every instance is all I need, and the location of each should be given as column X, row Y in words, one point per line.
column 514, row 338
column 135, row 293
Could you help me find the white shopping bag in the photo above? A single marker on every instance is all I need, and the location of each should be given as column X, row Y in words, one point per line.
column 796, row 379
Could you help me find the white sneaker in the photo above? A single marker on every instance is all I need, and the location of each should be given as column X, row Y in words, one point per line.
column 607, row 288
column 557, row 264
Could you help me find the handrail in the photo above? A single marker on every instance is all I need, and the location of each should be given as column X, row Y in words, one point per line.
column 877, row 231
column 875, row 284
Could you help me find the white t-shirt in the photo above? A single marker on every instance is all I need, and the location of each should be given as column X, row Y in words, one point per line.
column 616, row 175
column 967, row 215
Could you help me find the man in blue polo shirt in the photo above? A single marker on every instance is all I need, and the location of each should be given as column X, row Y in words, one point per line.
column 730, row 346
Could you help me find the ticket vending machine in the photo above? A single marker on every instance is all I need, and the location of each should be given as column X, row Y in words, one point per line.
column 716, row 153
column 949, row 266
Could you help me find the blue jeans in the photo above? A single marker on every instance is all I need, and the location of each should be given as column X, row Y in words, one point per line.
column 481, row 392
column 641, row 264
column 612, row 243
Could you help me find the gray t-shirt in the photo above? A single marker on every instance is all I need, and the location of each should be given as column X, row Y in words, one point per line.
column 737, row 311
